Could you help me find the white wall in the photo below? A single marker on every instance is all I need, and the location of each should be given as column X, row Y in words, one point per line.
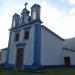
column 3, row 56
column 12, row 49
column 71, row 54
column 51, row 49
column 28, row 49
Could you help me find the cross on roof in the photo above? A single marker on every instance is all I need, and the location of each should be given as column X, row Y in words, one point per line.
column 26, row 4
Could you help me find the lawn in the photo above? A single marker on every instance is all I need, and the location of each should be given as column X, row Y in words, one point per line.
column 57, row 71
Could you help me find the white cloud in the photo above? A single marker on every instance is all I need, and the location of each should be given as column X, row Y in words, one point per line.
column 72, row 11
column 63, row 0
column 5, row 23
column 68, row 24
column 70, row 1
column 63, row 25
column 51, row 16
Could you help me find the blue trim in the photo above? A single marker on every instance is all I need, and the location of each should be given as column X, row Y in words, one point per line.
column 20, row 45
column 32, row 67
column 37, row 45
column 9, row 66
column 51, row 66
column 27, row 29
column 7, row 56
column 72, row 66
column 26, row 25
column 28, row 66
column 17, row 30
column 54, row 66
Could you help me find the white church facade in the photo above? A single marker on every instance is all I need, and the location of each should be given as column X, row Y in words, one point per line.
column 33, row 46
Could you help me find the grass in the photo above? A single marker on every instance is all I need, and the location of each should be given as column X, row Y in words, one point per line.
column 57, row 71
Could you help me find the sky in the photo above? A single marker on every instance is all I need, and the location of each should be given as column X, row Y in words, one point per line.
column 57, row 15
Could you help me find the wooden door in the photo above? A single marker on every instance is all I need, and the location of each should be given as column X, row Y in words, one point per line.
column 19, row 58
column 67, row 61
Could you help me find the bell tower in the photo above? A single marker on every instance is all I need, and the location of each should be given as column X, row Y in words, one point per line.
column 25, row 15
column 15, row 20
column 35, row 12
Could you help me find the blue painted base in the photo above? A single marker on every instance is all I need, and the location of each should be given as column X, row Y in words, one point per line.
column 51, row 66
column 32, row 67
column 73, row 66
column 28, row 67
column 36, row 67
column 55, row 66
column 9, row 66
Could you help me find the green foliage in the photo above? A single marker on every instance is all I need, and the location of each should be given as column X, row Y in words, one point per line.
column 57, row 71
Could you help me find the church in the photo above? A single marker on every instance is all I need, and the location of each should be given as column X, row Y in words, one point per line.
column 34, row 46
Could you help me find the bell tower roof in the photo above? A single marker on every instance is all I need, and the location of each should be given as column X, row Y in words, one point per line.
column 35, row 5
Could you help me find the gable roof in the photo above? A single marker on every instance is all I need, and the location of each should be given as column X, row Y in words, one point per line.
column 4, row 49
column 50, row 31
column 68, row 49
column 69, row 44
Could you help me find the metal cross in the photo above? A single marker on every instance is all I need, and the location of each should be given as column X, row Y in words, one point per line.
column 26, row 4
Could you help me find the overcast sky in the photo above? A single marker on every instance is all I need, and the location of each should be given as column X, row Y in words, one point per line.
column 57, row 15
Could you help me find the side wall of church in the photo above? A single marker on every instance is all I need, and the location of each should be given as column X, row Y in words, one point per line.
column 70, row 54
column 51, row 49
column 28, row 48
